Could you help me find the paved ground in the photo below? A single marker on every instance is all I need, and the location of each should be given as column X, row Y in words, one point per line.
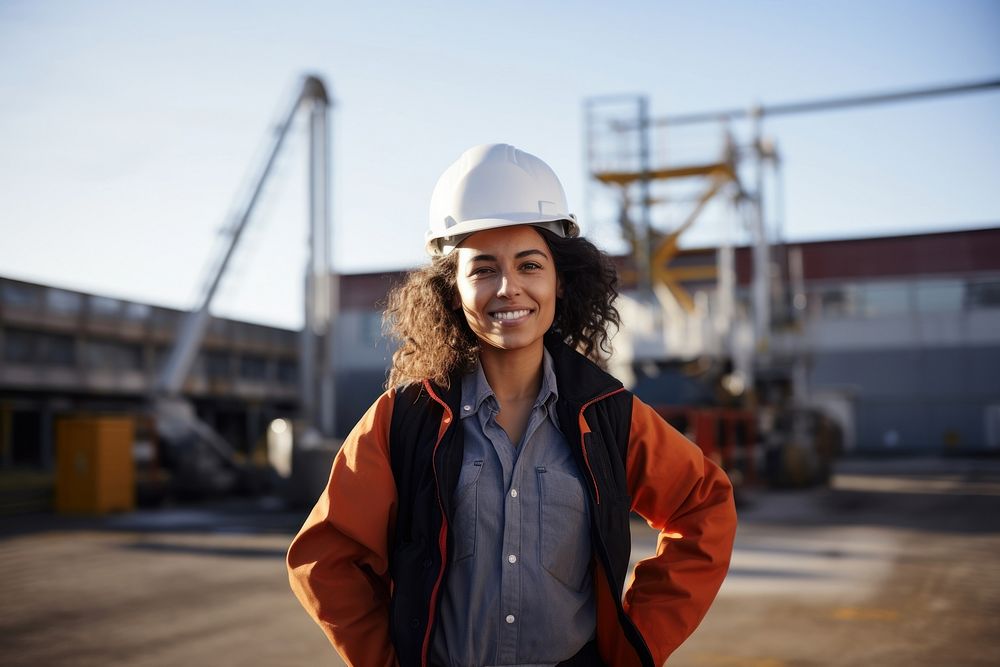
column 897, row 564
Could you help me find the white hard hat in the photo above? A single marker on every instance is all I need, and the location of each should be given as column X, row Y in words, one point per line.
column 495, row 185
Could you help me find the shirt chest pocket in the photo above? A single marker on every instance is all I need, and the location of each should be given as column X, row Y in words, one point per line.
column 565, row 530
column 466, row 510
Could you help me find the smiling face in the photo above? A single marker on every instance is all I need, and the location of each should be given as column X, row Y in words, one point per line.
column 507, row 285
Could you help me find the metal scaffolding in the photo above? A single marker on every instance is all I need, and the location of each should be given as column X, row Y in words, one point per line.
column 621, row 158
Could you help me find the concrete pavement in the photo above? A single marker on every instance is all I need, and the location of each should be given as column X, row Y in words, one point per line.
column 898, row 563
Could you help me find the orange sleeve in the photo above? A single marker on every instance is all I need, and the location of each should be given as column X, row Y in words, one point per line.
column 338, row 562
column 690, row 501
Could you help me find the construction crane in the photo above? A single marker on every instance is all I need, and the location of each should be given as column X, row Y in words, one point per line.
column 201, row 458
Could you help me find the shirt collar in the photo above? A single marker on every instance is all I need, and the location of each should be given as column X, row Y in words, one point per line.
column 549, row 392
column 476, row 390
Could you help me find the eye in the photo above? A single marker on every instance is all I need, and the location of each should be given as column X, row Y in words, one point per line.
column 481, row 271
column 531, row 266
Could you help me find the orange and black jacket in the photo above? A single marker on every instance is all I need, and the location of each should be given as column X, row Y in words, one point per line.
column 369, row 562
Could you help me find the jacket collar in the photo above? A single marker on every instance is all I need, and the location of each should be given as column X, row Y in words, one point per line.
column 580, row 380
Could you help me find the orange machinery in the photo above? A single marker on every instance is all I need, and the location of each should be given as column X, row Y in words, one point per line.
column 727, row 436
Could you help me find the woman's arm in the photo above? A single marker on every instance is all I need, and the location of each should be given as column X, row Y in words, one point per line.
column 338, row 562
column 690, row 501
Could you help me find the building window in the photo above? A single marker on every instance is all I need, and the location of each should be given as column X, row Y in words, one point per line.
column 982, row 295
column 217, row 365
column 63, row 302
column 137, row 312
column 939, row 296
column 288, row 371
column 112, row 355
column 19, row 347
column 253, row 367
column 32, row 347
column 837, row 301
column 105, row 306
column 889, row 298
column 57, row 350
column 21, row 296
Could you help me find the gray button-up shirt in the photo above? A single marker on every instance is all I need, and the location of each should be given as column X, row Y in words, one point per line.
column 519, row 590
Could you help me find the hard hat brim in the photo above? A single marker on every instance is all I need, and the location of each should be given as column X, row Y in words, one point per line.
column 443, row 245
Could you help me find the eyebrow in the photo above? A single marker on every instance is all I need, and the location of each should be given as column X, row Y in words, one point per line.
column 523, row 253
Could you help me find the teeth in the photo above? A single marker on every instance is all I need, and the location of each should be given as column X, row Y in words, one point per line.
column 511, row 314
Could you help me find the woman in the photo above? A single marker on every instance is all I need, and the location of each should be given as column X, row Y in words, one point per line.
column 478, row 514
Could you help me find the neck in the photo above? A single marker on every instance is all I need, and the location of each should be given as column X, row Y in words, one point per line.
column 513, row 374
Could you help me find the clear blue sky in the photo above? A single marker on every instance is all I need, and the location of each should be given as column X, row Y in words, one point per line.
column 127, row 128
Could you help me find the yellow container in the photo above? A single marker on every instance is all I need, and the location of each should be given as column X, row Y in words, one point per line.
column 95, row 471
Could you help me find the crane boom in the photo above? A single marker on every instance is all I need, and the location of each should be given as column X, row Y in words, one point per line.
column 192, row 331
column 809, row 106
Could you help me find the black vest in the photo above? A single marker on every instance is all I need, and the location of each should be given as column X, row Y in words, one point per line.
column 426, row 478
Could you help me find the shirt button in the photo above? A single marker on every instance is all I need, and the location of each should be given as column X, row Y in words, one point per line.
column 467, row 408
column 513, row 493
column 512, row 559
column 509, row 619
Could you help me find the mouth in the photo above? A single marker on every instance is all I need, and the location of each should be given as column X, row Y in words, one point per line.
column 510, row 315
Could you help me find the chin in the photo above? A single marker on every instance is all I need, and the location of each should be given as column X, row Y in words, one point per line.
column 511, row 343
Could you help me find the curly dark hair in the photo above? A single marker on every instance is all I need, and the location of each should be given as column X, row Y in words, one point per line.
column 435, row 339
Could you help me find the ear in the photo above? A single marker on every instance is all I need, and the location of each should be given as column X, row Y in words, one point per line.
column 456, row 301
column 559, row 286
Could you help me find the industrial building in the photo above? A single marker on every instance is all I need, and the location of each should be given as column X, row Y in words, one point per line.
column 67, row 352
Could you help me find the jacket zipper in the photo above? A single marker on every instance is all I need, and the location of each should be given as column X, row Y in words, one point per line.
column 443, row 534
column 583, row 446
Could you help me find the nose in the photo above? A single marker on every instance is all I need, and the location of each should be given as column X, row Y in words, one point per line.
column 509, row 285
